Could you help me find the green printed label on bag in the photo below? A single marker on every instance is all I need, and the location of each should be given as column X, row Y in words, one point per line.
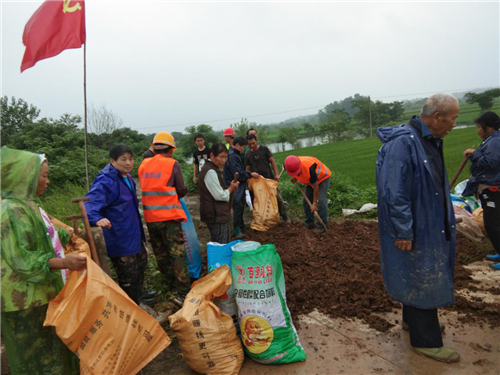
column 267, row 330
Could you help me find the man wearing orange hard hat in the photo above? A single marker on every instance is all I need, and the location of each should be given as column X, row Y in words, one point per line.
column 316, row 176
column 229, row 135
column 162, row 187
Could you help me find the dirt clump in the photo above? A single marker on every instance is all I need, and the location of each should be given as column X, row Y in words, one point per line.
column 338, row 273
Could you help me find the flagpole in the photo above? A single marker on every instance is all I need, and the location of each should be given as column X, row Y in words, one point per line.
column 85, row 114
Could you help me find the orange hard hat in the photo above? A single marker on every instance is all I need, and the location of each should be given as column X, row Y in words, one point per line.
column 164, row 138
column 292, row 165
column 229, row 132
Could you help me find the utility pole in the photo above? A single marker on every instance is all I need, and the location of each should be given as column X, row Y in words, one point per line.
column 370, row 115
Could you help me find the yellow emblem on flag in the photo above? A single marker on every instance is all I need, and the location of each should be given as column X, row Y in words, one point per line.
column 67, row 8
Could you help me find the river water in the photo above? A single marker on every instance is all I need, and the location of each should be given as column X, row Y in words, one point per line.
column 314, row 141
column 302, row 142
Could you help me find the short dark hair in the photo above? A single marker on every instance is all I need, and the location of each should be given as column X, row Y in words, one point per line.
column 251, row 136
column 118, row 150
column 218, row 148
column 488, row 120
column 249, row 130
column 161, row 150
column 240, row 141
column 199, row 135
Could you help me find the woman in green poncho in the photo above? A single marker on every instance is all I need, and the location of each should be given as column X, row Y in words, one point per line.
column 33, row 268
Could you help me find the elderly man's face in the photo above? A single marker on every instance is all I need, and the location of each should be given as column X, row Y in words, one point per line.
column 446, row 122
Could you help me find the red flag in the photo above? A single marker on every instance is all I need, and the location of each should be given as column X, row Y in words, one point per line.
column 54, row 27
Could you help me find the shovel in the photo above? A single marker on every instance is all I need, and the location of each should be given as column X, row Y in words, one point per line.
column 460, row 169
column 310, row 205
column 83, row 215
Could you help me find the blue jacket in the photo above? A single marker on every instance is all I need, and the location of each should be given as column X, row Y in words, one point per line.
column 111, row 198
column 410, row 208
column 235, row 164
column 485, row 168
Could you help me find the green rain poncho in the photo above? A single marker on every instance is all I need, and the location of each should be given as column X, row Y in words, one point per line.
column 27, row 283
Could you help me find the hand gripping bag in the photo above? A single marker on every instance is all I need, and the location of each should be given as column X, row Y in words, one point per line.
column 193, row 254
column 267, row 330
column 206, row 334
column 96, row 319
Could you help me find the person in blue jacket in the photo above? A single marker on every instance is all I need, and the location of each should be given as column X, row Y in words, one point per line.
column 114, row 207
column 416, row 222
column 485, row 178
column 235, row 164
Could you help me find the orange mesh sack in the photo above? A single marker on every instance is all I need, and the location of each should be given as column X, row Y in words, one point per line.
column 207, row 335
column 96, row 319
column 265, row 203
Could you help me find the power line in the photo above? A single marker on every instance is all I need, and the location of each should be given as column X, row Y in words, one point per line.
column 420, row 93
column 287, row 111
column 230, row 119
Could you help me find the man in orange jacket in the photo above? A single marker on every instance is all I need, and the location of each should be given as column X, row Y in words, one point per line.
column 316, row 176
column 162, row 187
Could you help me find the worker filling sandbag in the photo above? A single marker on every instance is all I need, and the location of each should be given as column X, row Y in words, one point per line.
column 267, row 330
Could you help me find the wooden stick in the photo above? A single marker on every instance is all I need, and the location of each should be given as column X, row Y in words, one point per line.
column 86, row 223
column 282, row 170
column 75, row 219
column 460, row 169
column 310, row 205
column 231, row 197
column 85, row 119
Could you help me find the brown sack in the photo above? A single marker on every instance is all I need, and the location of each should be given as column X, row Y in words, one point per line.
column 96, row 319
column 478, row 217
column 265, row 204
column 207, row 335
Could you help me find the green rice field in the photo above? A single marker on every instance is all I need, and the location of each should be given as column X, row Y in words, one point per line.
column 356, row 158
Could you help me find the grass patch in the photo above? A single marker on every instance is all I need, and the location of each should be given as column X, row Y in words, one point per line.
column 57, row 201
column 356, row 159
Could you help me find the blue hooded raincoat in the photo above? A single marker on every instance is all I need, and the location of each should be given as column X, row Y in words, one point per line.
column 485, row 165
column 410, row 208
column 111, row 198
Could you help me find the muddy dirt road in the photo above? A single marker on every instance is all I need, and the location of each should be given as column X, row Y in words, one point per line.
column 347, row 323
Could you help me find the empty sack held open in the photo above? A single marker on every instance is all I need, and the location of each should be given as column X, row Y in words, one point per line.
column 265, row 203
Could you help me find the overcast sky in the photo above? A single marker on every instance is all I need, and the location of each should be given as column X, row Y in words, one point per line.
column 164, row 65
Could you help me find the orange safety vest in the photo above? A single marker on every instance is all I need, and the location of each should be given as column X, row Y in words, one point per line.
column 321, row 170
column 159, row 201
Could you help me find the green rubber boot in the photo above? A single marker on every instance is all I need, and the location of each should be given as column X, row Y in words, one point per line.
column 237, row 232
column 441, row 354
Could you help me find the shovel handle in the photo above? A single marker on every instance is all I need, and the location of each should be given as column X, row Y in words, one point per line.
column 460, row 169
column 310, row 205
column 88, row 230
column 282, row 170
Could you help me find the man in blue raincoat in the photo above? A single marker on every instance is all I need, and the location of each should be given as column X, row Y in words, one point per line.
column 416, row 222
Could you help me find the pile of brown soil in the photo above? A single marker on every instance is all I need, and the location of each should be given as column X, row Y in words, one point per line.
column 338, row 272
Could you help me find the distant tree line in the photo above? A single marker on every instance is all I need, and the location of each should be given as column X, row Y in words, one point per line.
column 62, row 139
